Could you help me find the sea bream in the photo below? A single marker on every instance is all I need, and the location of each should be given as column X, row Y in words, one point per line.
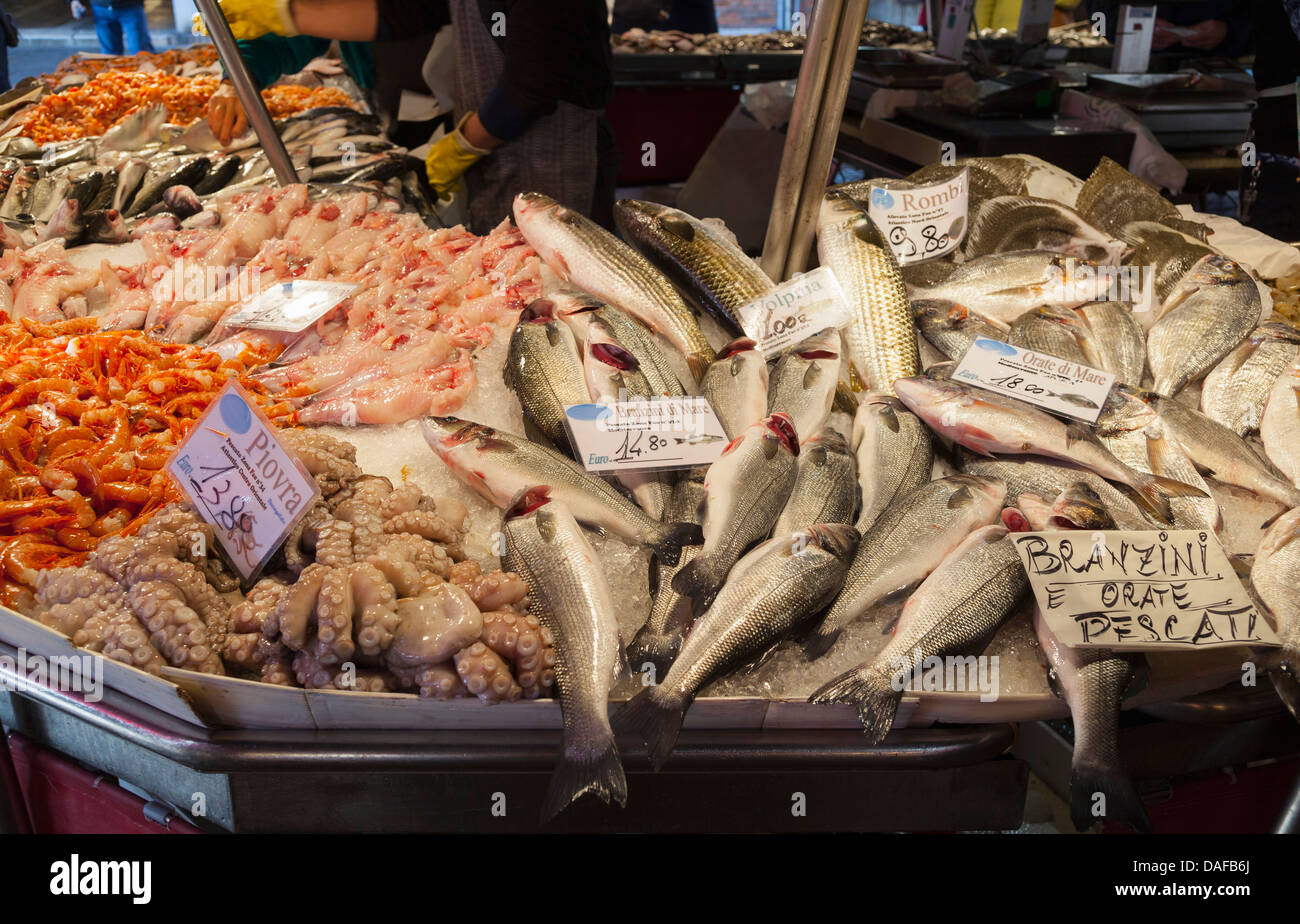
column 1055, row 331
column 771, row 591
column 736, row 386
column 587, row 256
column 909, row 540
column 989, row 423
column 1236, row 390
column 499, row 465
column 1275, row 576
column 955, row 611
column 1116, row 342
column 951, row 328
column 747, row 488
column 569, row 595
column 1280, row 427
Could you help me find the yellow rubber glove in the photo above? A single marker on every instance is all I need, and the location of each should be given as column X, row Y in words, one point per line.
column 250, row 19
column 449, row 158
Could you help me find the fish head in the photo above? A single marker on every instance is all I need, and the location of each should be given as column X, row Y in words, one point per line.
column 1015, row 521
column 604, row 350
column 1125, row 409
column 828, row 442
column 538, row 311
column 838, row 207
column 780, row 427
column 837, row 539
column 448, row 433
column 981, row 494
column 1215, row 270
column 741, row 345
column 528, row 501
column 1080, row 507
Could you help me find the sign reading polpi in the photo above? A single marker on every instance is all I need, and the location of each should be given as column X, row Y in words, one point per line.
column 1147, row 590
column 291, row 306
column 241, row 480
column 795, row 310
column 656, row 434
column 921, row 222
column 1058, row 385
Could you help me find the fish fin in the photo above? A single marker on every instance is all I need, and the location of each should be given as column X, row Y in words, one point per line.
column 698, row 364
column 857, row 382
column 1149, row 498
column 845, row 400
column 1273, row 519
column 667, row 541
column 1172, row 487
column 657, row 650
column 598, row 770
column 763, row 657
column 1288, row 689
column 876, row 701
column 622, row 667
column 1123, row 804
column 655, row 714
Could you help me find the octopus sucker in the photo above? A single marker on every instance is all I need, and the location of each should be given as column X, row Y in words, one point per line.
column 528, row 645
column 486, row 675
column 175, row 628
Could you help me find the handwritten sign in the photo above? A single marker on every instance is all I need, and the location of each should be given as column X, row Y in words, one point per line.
column 241, row 480
column 921, row 222
column 1058, row 385
column 1146, row 590
column 645, row 435
column 291, row 306
column 796, row 309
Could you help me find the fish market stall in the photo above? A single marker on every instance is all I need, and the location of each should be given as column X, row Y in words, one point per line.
column 366, row 522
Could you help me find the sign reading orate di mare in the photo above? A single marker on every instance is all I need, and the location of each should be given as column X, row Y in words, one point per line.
column 1059, row 385
column 645, row 435
column 796, row 309
column 921, row 222
column 292, row 306
column 241, row 480
column 1147, row 590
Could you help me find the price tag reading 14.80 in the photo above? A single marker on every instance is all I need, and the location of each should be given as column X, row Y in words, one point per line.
column 655, row 435
column 241, row 480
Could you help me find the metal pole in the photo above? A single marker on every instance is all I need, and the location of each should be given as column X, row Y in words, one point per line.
column 799, row 135
column 1289, row 821
column 249, row 98
column 836, row 91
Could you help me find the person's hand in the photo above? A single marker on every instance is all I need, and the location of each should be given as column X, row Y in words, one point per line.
column 453, row 154
column 78, row 9
column 1207, row 35
column 250, row 19
column 226, row 116
column 325, row 67
column 1163, row 37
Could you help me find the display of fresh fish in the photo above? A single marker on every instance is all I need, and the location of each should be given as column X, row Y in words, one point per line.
column 1008, row 223
column 613, row 374
column 881, row 337
column 498, row 465
column 1275, row 576
column 1279, row 427
column 906, row 543
column 187, row 172
column 578, row 308
column 825, row 487
column 1236, row 390
column 802, row 384
column 129, row 177
column 987, row 422
column 544, row 370
column 1006, row 285
column 1164, row 252
column 660, row 638
column 1055, row 331
column 736, row 385
column 46, row 194
column 952, row 328
column 1219, row 452
column 701, row 260
column 1116, row 343
column 219, row 175
column 587, row 256
column 19, row 188
column 747, row 488
column 85, row 187
column 1112, row 197
column 1211, row 310
column 770, row 592
column 955, row 611
column 1027, row 475
column 569, row 595
column 895, row 455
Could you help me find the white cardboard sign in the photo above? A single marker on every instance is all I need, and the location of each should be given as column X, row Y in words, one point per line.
column 645, row 435
column 1147, row 590
column 795, row 310
column 1058, row 385
column 922, row 222
column 291, row 306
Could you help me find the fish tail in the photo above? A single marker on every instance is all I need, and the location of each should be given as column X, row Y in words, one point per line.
column 871, row 693
column 655, row 714
column 658, row 649
column 699, row 580
column 699, row 363
column 820, row 640
column 1122, row 802
column 667, row 540
column 597, row 769
column 845, row 400
column 1152, row 493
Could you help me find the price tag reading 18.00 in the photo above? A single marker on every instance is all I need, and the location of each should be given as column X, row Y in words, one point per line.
column 241, row 480
column 795, row 310
column 1058, row 385
column 645, row 435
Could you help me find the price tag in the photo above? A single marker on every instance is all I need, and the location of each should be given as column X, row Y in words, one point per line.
column 954, row 27
column 646, row 435
column 1035, row 21
column 795, row 310
column 1052, row 383
column 921, row 222
column 241, row 481
column 1145, row 590
column 291, row 306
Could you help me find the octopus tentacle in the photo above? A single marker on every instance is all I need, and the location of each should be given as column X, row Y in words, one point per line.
column 528, row 645
column 486, row 675
column 435, row 681
column 175, row 628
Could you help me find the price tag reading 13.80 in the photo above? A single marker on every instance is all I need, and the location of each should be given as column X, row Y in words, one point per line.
column 241, row 480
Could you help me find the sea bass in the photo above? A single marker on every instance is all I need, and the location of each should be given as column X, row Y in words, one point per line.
column 736, row 385
column 498, row 465
column 955, row 611
column 569, row 595
column 803, row 383
column 577, row 309
column 1006, row 285
column 589, row 257
column 906, row 544
column 895, row 454
column 544, row 370
column 770, row 592
column 825, row 487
